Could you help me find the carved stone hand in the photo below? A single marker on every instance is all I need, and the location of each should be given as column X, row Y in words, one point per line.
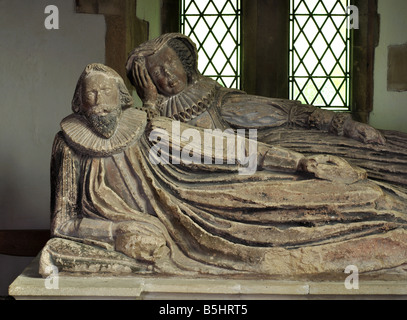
column 332, row 168
column 139, row 241
column 363, row 132
column 145, row 87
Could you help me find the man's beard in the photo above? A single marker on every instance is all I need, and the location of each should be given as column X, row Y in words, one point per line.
column 104, row 125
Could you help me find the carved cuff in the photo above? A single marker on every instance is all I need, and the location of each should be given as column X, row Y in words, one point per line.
column 99, row 230
column 151, row 111
column 338, row 122
column 328, row 121
column 321, row 119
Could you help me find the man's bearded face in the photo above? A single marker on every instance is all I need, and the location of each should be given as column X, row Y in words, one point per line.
column 101, row 103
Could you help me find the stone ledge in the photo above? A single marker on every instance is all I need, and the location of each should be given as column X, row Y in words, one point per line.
column 29, row 285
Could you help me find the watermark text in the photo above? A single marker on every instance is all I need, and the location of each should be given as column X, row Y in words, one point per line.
column 52, row 20
column 193, row 146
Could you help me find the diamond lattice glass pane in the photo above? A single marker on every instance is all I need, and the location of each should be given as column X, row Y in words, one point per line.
column 209, row 70
column 229, row 8
column 301, row 8
column 200, row 5
column 219, row 60
column 320, row 9
column 338, row 72
column 215, row 28
column 339, row 8
column 328, row 62
column 228, row 45
column 338, row 46
column 329, row 30
column 300, row 23
column 319, row 53
column 320, row 21
column 310, row 30
column 311, row 4
column 301, row 71
column 210, row 9
column 220, row 4
column 228, row 81
column 320, row 71
column 221, row 29
column 301, row 45
column 211, row 21
column 191, row 8
column 310, row 61
column 329, row 92
column 228, row 70
column 321, row 45
column 210, row 45
column 330, row 4
column 340, row 23
column 191, row 23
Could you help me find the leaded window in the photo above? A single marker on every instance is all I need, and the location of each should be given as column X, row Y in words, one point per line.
column 320, row 53
column 215, row 28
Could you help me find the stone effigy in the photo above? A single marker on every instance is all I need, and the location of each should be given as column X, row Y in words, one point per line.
column 140, row 192
column 201, row 101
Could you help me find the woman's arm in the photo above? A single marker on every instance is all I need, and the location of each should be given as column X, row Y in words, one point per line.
column 342, row 124
column 248, row 111
column 239, row 154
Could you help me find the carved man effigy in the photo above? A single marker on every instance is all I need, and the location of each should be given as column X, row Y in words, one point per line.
column 117, row 210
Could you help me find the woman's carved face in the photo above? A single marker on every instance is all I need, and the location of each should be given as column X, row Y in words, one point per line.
column 167, row 72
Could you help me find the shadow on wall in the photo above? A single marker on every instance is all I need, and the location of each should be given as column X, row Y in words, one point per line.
column 22, row 207
column 24, row 196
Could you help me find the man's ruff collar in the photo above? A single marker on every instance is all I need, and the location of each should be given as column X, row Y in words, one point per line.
column 82, row 138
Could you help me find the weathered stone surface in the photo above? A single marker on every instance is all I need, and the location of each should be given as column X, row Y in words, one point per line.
column 30, row 285
column 144, row 193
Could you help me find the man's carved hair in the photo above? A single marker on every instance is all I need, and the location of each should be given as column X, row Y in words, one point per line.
column 126, row 99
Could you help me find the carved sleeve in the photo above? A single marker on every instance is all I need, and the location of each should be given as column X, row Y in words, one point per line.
column 330, row 121
column 244, row 151
column 66, row 220
column 247, row 111
column 64, row 167
column 308, row 116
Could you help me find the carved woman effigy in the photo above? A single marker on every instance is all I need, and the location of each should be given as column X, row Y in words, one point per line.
column 165, row 75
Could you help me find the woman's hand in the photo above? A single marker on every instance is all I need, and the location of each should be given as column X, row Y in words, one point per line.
column 331, row 168
column 362, row 132
column 145, row 86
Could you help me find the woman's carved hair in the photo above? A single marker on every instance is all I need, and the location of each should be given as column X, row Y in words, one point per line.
column 126, row 100
column 185, row 55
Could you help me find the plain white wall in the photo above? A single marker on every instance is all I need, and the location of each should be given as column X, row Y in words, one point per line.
column 389, row 108
column 38, row 73
column 39, row 70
